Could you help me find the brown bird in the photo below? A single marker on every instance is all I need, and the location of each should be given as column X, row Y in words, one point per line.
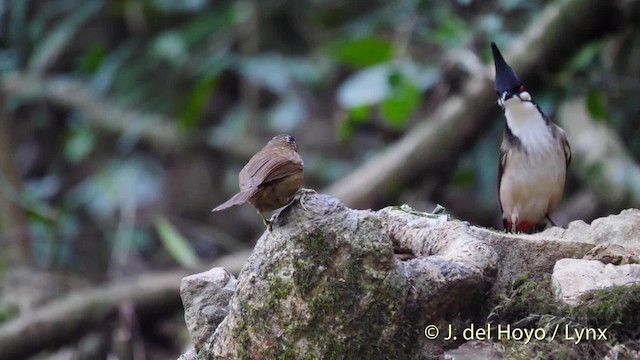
column 271, row 178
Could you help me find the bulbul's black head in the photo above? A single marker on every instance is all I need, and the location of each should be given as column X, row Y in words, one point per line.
column 506, row 80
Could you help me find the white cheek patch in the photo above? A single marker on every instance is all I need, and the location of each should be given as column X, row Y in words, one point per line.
column 525, row 96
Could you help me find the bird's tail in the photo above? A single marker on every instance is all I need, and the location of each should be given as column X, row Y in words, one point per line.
column 237, row 199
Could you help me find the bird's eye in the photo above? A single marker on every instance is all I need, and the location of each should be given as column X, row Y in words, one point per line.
column 291, row 140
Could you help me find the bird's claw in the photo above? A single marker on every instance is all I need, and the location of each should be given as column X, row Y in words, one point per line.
column 267, row 223
column 301, row 194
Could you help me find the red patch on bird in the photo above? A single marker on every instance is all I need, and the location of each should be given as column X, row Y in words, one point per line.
column 522, row 226
column 521, row 90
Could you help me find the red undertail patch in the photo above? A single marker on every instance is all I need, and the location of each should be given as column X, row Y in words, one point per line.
column 522, row 226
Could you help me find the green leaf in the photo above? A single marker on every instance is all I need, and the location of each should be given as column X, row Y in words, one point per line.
column 451, row 31
column 196, row 101
column 439, row 210
column 208, row 24
column 463, row 177
column 78, row 144
column 401, row 102
column 90, row 61
column 174, row 7
column 345, row 130
column 171, row 47
column 595, row 105
column 359, row 114
column 54, row 44
column 355, row 116
column 362, row 52
column 584, row 57
column 175, row 243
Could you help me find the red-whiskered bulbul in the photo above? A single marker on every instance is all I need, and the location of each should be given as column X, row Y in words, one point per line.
column 534, row 155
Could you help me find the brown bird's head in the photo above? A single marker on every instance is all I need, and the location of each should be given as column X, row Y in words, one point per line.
column 283, row 140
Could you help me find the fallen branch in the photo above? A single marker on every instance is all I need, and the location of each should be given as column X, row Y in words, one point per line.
column 156, row 129
column 600, row 158
column 65, row 320
column 99, row 111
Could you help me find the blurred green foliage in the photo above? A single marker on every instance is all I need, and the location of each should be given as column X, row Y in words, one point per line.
column 351, row 75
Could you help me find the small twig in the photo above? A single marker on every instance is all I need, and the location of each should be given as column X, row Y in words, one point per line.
column 12, row 216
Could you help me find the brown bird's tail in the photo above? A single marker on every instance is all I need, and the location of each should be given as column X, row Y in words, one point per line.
column 237, row 199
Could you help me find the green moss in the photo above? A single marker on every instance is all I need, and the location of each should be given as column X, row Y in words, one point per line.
column 279, row 288
column 340, row 287
column 314, row 257
column 8, row 313
column 525, row 297
column 616, row 308
column 532, row 304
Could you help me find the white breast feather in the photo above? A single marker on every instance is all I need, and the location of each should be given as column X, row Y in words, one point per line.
column 532, row 181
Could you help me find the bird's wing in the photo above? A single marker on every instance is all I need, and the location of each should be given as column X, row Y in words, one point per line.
column 237, row 199
column 266, row 170
column 502, row 162
column 566, row 147
column 558, row 133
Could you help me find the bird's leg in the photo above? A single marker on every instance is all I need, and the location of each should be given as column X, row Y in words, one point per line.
column 550, row 221
column 300, row 195
column 266, row 222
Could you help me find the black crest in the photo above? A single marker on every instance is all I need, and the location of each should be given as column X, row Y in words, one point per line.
column 506, row 79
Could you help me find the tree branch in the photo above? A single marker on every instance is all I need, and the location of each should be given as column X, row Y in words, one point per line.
column 550, row 40
column 103, row 113
column 600, row 158
column 67, row 319
column 13, row 220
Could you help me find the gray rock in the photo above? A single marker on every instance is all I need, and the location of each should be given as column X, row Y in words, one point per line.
column 614, row 254
column 326, row 283
column 323, row 284
column 574, row 277
column 621, row 229
column 189, row 355
column 474, row 350
column 206, row 297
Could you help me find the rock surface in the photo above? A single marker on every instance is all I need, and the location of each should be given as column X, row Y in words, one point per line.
column 614, row 254
column 327, row 282
column 574, row 277
column 206, row 298
column 622, row 229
